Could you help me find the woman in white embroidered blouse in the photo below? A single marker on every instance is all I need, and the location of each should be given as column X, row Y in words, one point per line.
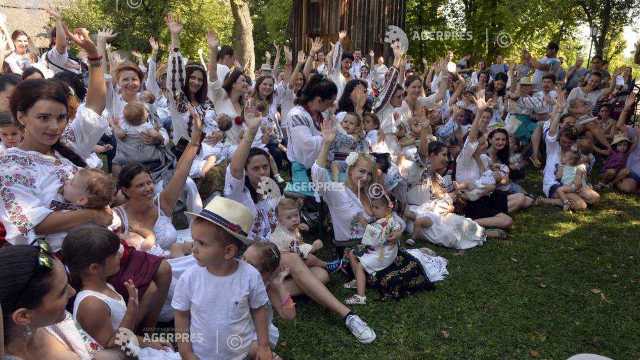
column 227, row 94
column 21, row 57
column 187, row 84
column 33, row 172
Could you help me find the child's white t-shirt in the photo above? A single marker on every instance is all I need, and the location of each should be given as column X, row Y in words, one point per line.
column 136, row 129
column 553, row 158
column 220, row 309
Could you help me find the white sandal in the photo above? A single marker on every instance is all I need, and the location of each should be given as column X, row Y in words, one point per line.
column 356, row 299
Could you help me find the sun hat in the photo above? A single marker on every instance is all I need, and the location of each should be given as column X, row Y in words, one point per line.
column 230, row 215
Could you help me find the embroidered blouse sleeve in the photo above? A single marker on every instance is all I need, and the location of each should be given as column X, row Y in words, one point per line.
column 151, row 83
column 85, row 131
column 21, row 210
column 176, row 74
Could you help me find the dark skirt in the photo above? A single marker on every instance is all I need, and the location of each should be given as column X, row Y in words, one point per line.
column 487, row 206
column 405, row 276
column 138, row 266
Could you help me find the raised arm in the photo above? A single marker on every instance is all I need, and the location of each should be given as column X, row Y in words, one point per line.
column 61, row 38
column 555, row 116
column 316, row 45
column 391, row 82
column 626, row 113
column 212, row 67
column 151, row 83
column 173, row 190
column 296, row 70
column 328, row 136
column 97, row 89
column 253, row 120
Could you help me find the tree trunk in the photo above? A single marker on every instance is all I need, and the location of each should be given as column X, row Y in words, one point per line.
column 243, row 35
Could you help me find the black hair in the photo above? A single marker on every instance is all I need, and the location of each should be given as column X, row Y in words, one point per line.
column 7, row 80
column 6, row 119
column 597, row 57
column 317, row 86
column 30, row 71
column 553, row 46
column 231, row 79
column 345, row 103
column 28, row 92
column 347, row 55
column 503, row 154
column 411, row 79
column 129, row 172
column 23, row 282
column 435, row 147
column 201, row 95
column 86, row 245
column 252, row 153
column 224, row 51
column 74, row 81
column 550, row 76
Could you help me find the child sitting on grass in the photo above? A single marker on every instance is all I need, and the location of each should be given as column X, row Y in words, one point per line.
column 615, row 167
column 572, row 174
column 287, row 237
column 378, row 249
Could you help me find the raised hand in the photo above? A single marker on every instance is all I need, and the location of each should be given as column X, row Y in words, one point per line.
column 372, row 53
column 212, row 39
column 630, row 101
column 342, row 35
column 328, row 130
column 560, row 102
column 316, row 45
column 136, row 54
column 173, row 23
column 301, row 57
column 81, row 37
column 288, row 56
column 106, row 35
column 54, row 13
column 196, row 129
column 133, row 302
column 154, row 44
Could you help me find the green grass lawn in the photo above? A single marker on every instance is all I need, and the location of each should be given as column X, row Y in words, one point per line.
column 560, row 285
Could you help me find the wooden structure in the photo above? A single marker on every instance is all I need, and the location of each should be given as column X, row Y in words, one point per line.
column 365, row 21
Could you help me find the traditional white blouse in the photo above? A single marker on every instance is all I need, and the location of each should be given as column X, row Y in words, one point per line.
column 30, row 180
column 223, row 105
column 305, row 139
column 347, row 213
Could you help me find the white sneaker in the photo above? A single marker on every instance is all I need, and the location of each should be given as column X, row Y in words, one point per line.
column 360, row 329
column 411, row 242
column 350, row 285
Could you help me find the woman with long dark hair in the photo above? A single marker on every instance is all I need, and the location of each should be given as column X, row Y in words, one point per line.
column 187, row 84
column 303, row 122
column 33, row 172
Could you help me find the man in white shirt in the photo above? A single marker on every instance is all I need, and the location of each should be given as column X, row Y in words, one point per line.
column 356, row 66
column 548, row 64
column 225, row 61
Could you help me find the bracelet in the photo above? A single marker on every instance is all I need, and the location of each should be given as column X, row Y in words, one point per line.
column 95, row 63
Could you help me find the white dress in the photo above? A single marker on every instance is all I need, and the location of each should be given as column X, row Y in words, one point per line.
column 30, row 180
column 223, row 105
column 449, row 229
column 380, row 257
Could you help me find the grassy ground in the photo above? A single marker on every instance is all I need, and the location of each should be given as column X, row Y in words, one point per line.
column 560, row 285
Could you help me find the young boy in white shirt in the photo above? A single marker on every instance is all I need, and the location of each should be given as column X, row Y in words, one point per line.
column 220, row 304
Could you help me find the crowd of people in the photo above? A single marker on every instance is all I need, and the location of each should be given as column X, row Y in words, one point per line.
column 102, row 158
